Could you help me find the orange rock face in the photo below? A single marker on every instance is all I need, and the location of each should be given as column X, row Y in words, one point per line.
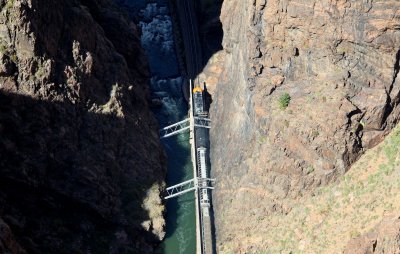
column 338, row 61
column 384, row 238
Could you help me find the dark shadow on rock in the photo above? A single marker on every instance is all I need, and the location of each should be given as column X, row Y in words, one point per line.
column 200, row 35
column 71, row 181
column 211, row 33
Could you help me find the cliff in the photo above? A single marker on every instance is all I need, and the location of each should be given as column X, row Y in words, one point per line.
column 384, row 238
column 81, row 167
column 300, row 90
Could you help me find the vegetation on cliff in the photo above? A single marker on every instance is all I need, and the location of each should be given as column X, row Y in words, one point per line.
column 339, row 62
column 326, row 220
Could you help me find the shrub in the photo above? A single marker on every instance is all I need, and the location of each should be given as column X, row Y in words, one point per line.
column 3, row 49
column 284, row 101
column 314, row 134
column 309, row 170
column 14, row 58
column 9, row 4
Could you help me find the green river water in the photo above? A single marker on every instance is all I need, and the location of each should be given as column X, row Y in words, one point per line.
column 157, row 38
column 181, row 231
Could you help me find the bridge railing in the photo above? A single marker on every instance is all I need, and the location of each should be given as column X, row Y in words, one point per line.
column 175, row 128
column 189, row 185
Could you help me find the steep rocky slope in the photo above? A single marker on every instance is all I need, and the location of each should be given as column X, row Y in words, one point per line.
column 337, row 64
column 8, row 244
column 326, row 220
column 384, row 238
column 81, row 167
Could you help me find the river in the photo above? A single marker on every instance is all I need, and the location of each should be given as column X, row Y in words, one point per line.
column 157, row 39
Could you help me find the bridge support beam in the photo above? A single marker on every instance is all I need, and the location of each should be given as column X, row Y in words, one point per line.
column 189, row 185
column 184, row 125
column 175, row 129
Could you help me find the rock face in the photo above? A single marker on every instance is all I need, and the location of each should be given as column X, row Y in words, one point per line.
column 337, row 64
column 8, row 243
column 384, row 238
column 81, row 168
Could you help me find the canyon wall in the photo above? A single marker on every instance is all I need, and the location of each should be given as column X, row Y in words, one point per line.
column 300, row 90
column 384, row 238
column 81, row 167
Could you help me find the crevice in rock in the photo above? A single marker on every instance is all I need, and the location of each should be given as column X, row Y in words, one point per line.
column 396, row 69
column 374, row 245
column 392, row 102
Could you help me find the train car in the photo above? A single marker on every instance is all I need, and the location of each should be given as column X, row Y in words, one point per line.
column 202, row 165
column 202, row 139
column 198, row 101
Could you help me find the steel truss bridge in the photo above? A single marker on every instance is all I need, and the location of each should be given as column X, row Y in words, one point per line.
column 200, row 185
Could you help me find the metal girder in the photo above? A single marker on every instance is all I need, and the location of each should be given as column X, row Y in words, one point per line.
column 181, row 188
column 175, row 129
column 189, row 185
column 202, row 122
column 184, row 125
